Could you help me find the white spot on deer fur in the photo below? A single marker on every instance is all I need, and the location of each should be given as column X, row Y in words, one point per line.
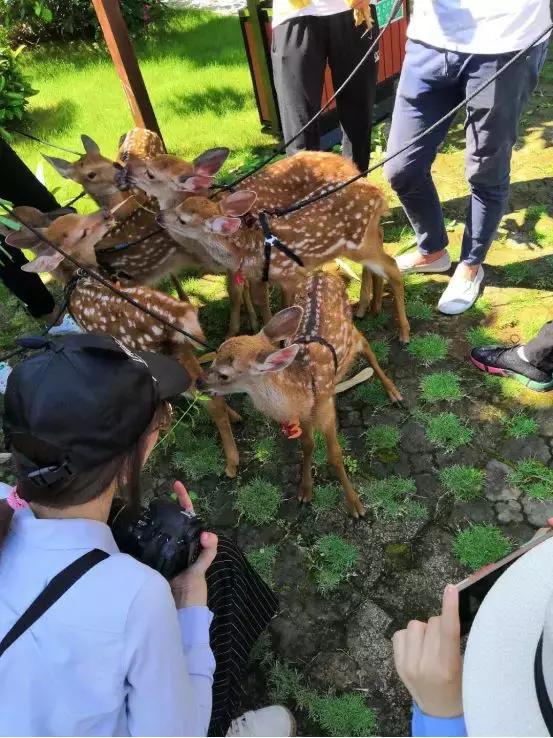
column 156, row 330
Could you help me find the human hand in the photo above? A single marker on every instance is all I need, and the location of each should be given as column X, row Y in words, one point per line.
column 190, row 587
column 428, row 659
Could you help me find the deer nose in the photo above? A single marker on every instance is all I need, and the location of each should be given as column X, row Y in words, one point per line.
column 160, row 219
column 201, row 384
column 122, row 178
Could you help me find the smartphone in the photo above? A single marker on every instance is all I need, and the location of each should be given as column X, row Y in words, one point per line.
column 475, row 587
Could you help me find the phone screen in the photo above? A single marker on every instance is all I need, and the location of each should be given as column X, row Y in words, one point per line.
column 474, row 588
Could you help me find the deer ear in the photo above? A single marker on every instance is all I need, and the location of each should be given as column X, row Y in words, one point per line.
column 44, row 263
column 90, row 146
column 239, row 203
column 278, row 360
column 63, row 167
column 224, row 226
column 284, row 324
column 22, row 239
column 210, row 161
column 197, row 183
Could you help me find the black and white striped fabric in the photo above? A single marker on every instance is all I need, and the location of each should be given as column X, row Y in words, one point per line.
column 243, row 605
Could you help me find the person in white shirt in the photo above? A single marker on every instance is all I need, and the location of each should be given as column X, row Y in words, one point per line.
column 453, row 47
column 308, row 35
column 119, row 650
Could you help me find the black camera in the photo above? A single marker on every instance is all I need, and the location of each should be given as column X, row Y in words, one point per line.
column 163, row 536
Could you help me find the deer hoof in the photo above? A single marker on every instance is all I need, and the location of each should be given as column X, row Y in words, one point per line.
column 305, row 496
column 231, row 470
column 359, row 310
column 357, row 511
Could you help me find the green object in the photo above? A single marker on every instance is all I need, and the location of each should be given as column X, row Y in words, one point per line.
column 326, row 497
column 383, row 11
column 258, row 501
column 263, row 561
column 447, row 431
column 479, row 545
column 429, row 348
column 533, row 478
column 441, row 386
column 345, row 715
column 334, row 561
column 520, row 425
column 392, row 498
column 465, row 482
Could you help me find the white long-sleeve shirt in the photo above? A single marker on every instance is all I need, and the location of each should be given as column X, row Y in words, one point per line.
column 112, row 656
column 479, row 26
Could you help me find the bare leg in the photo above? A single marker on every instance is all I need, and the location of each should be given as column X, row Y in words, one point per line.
column 364, row 348
column 326, row 418
column 305, row 493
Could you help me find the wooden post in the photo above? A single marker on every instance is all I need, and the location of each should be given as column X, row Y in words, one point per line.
column 120, row 47
column 259, row 51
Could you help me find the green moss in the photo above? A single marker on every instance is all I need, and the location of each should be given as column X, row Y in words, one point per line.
column 382, row 441
column 520, row 425
column 533, row 478
column 370, row 324
column 418, row 310
column 479, row 336
column 319, row 451
column 479, row 545
column 334, row 560
column 262, row 560
column 264, row 449
column 441, row 386
column 345, row 715
column 326, row 497
column 381, row 349
column 202, row 457
column 392, row 498
column 258, row 501
column 447, row 431
column 428, row 349
column 372, row 393
column 465, row 482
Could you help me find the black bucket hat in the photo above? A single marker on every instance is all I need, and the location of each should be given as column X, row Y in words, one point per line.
column 82, row 400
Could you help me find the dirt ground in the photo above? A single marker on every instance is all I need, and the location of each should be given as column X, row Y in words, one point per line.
column 328, row 653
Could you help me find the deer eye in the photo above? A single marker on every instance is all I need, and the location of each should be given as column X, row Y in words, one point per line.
column 181, row 220
column 149, row 174
column 91, row 175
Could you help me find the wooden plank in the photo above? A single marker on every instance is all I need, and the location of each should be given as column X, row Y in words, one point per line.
column 122, row 53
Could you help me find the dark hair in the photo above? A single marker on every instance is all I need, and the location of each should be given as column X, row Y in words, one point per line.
column 124, row 468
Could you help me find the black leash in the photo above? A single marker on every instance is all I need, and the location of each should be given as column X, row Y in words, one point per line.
column 271, row 240
column 75, row 199
column 46, row 143
column 106, row 283
column 127, row 244
column 282, row 148
column 313, row 199
column 319, row 339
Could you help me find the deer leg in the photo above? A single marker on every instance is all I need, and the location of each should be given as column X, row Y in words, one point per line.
column 395, row 279
column 235, row 293
column 260, row 298
column 248, row 304
column 378, row 289
column 327, row 418
column 364, row 347
column 364, row 292
column 219, row 411
column 233, row 416
column 183, row 297
column 288, row 292
column 305, row 493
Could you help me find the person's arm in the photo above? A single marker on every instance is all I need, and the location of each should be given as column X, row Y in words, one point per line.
column 169, row 665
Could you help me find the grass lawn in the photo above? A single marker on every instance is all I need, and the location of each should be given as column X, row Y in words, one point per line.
column 196, row 72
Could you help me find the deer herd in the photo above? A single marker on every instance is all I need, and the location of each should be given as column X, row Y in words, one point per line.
column 159, row 214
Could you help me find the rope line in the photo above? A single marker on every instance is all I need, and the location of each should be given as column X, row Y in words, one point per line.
column 106, row 283
column 45, row 143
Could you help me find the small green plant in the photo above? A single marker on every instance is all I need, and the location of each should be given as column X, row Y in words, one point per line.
column 258, row 501
column 345, row 715
column 465, row 482
column 382, row 441
column 520, row 425
column 381, row 349
column 288, row 685
column 372, row 393
column 447, row 431
column 326, row 497
column 262, row 560
column 372, row 323
column 334, row 560
column 392, row 498
column 533, row 478
column 351, row 464
column 201, row 458
column 479, row 336
column 428, row 349
column 418, row 310
column 319, row 451
column 441, row 386
column 264, row 449
column 479, row 545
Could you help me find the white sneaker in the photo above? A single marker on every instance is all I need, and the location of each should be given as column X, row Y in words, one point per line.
column 407, row 263
column 460, row 294
column 5, row 371
column 67, row 325
column 269, row 721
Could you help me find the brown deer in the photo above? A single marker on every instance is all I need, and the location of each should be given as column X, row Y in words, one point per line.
column 295, row 385
column 150, row 260
column 96, row 308
column 345, row 224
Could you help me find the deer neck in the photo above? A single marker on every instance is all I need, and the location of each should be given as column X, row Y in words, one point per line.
column 284, row 395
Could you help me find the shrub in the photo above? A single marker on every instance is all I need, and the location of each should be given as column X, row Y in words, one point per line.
column 66, row 19
column 15, row 88
column 429, row 348
column 465, row 482
column 479, row 545
column 534, row 478
column 258, row 501
column 263, row 561
column 392, row 498
column 520, row 425
column 334, row 560
column 441, row 386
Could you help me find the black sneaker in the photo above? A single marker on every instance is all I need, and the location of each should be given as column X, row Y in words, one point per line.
column 506, row 362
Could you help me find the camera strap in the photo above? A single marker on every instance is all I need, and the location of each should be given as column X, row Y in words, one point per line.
column 541, row 689
column 55, row 589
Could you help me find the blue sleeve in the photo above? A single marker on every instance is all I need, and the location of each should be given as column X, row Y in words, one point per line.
column 169, row 664
column 426, row 725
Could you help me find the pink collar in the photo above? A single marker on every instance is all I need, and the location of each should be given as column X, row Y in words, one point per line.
column 15, row 501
